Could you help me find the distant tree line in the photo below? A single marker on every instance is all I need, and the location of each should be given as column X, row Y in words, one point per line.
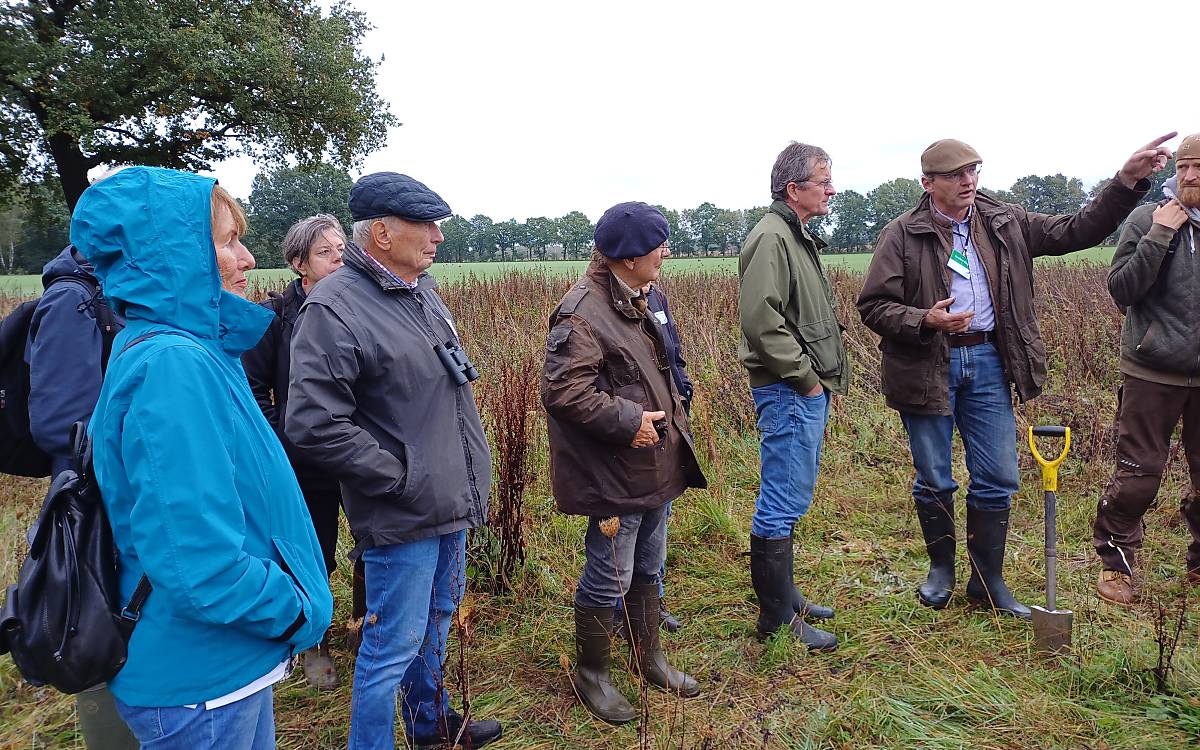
column 34, row 219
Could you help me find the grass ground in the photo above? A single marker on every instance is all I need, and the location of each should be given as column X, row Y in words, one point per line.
column 904, row 677
column 32, row 283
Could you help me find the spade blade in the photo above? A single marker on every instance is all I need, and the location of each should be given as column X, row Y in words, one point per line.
column 1052, row 629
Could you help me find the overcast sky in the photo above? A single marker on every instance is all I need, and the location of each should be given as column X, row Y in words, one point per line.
column 521, row 109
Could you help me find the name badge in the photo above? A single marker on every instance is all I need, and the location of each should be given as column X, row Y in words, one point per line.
column 661, row 317
column 959, row 264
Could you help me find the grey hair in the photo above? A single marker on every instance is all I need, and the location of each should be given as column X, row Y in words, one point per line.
column 303, row 234
column 361, row 232
column 795, row 163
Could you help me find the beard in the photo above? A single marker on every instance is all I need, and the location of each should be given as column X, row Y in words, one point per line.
column 1189, row 196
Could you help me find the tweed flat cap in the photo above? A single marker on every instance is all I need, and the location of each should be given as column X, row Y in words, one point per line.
column 394, row 194
column 1189, row 148
column 948, row 155
column 630, row 230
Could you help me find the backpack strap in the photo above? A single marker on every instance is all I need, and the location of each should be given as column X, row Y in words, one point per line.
column 106, row 320
column 132, row 612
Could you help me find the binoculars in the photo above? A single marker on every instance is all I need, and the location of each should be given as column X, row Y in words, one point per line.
column 457, row 363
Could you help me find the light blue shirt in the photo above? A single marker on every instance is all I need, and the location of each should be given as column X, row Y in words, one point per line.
column 969, row 294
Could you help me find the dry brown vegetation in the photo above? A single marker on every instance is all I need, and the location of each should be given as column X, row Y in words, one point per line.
column 904, row 677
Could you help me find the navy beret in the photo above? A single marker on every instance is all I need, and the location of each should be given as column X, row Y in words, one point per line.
column 394, row 194
column 631, row 230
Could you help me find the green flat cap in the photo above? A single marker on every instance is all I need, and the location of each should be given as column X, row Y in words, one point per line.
column 948, row 155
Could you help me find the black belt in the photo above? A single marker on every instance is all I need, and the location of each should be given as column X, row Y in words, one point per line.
column 974, row 338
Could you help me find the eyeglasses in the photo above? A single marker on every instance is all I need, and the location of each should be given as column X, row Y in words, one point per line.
column 971, row 171
column 823, row 184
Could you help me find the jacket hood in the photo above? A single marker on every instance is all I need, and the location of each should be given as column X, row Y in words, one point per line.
column 148, row 233
column 66, row 265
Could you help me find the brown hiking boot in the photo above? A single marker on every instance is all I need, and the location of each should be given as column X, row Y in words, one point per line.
column 1116, row 587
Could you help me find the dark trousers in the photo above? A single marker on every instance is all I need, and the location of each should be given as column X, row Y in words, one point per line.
column 324, row 499
column 1146, row 417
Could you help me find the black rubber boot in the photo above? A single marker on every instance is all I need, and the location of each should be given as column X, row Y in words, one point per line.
column 645, row 613
column 987, row 532
column 771, row 575
column 802, row 606
column 477, row 734
column 937, row 526
column 593, row 659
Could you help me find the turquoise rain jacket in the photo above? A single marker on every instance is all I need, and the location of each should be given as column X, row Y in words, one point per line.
column 197, row 487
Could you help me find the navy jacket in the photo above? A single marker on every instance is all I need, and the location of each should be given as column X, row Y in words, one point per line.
column 660, row 311
column 64, row 352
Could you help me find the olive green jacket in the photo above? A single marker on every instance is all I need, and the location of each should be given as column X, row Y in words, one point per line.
column 790, row 330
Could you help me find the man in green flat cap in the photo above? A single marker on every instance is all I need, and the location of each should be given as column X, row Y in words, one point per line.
column 950, row 291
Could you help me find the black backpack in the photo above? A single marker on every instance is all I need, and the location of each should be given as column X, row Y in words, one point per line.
column 62, row 621
column 18, row 453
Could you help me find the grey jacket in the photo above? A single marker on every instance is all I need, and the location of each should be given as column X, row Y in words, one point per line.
column 370, row 402
column 1158, row 280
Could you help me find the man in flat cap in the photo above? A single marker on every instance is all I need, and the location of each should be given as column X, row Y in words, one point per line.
column 950, row 291
column 620, row 450
column 1155, row 276
column 792, row 349
column 380, row 398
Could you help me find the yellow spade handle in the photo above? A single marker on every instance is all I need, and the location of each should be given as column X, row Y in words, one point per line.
column 1050, row 468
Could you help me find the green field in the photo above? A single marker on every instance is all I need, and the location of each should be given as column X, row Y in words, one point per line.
column 270, row 277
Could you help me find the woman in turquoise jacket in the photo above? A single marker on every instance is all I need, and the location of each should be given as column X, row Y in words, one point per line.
column 198, row 490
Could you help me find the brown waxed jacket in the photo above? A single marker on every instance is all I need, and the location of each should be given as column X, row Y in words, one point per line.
column 605, row 365
column 908, row 274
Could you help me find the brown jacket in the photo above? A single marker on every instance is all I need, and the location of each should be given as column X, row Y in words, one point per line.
column 908, row 274
column 605, row 365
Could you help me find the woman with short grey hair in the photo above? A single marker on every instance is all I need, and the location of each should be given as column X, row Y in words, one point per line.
column 313, row 250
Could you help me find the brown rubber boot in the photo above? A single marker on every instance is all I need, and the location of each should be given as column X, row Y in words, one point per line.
column 593, row 661
column 645, row 611
column 1116, row 587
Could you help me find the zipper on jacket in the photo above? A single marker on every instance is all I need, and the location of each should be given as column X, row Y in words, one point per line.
column 462, row 422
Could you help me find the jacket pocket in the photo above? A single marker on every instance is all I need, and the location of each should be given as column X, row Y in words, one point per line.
column 906, row 373
column 307, row 571
column 639, row 469
column 626, row 379
column 823, row 345
column 411, row 465
column 1035, row 351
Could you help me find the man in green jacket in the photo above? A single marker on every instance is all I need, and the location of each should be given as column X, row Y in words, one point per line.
column 792, row 348
column 1155, row 274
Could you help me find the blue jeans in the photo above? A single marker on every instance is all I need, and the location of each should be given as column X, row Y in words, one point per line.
column 610, row 565
column 662, row 571
column 248, row 724
column 412, row 592
column 792, row 427
column 981, row 408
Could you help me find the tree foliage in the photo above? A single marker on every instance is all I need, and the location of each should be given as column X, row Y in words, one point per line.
column 1052, row 194
column 281, row 197
column 182, row 83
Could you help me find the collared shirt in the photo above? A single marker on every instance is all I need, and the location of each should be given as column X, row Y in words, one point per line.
column 636, row 299
column 969, row 294
column 388, row 271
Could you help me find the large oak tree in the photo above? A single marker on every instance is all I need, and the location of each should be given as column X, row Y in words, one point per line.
column 181, row 83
